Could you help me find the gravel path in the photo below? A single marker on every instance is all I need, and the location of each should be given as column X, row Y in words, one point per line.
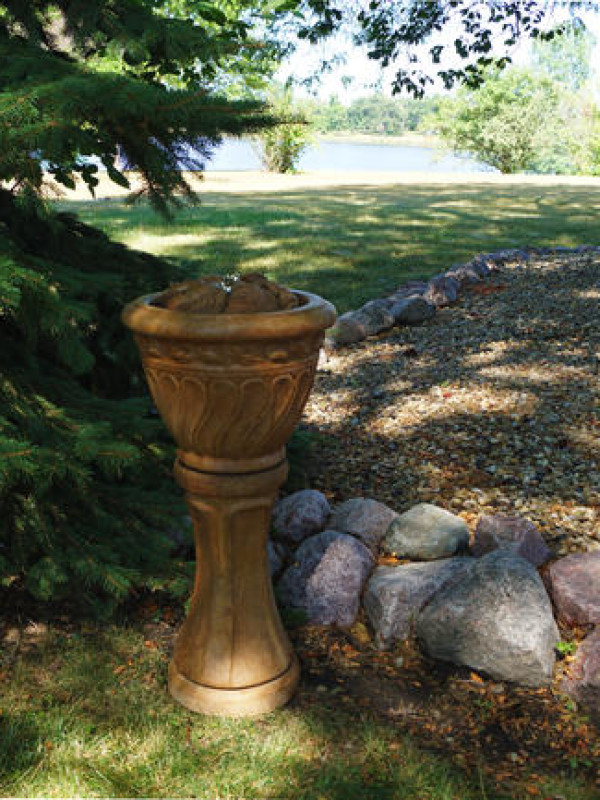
column 492, row 406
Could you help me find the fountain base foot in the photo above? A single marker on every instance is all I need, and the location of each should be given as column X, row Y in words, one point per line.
column 244, row 702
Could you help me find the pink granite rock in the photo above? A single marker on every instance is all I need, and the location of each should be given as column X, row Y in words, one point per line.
column 300, row 515
column 583, row 681
column 518, row 533
column 574, row 583
column 364, row 518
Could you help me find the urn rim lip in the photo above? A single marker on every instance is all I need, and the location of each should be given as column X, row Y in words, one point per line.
column 144, row 318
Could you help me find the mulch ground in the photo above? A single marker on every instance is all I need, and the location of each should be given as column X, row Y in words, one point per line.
column 491, row 407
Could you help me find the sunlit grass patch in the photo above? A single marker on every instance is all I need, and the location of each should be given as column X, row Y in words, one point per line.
column 351, row 243
column 89, row 715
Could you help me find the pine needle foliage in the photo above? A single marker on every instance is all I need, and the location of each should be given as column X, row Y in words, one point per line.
column 86, row 494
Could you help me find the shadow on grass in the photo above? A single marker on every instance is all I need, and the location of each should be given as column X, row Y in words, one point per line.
column 89, row 716
column 353, row 242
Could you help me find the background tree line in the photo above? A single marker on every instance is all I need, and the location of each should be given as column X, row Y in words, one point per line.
column 540, row 118
column 372, row 114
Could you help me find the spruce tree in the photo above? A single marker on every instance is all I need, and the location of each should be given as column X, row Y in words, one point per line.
column 86, row 495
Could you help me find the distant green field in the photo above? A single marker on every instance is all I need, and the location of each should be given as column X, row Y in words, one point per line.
column 351, row 243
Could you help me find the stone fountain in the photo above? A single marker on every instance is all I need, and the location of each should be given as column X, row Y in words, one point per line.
column 231, row 383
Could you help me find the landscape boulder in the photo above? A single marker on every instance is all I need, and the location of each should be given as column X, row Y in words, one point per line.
column 482, row 265
column 366, row 519
column 574, row 583
column 465, row 274
column 497, row 619
column 442, row 290
column 411, row 310
column 409, row 289
column 583, row 681
column 327, row 578
column 376, row 316
column 395, row 594
column 348, row 329
column 300, row 515
column 518, row 533
column 426, row 532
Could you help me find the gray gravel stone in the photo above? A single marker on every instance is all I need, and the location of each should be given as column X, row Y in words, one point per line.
column 426, row 532
column 518, row 533
column 300, row 514
column 395, row 594
column 498, row 619
column 366, row 519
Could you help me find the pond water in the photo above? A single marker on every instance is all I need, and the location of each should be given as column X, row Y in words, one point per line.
column 236, row 154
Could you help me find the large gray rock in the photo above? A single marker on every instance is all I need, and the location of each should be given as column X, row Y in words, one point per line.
column 426, row 532
column 465, row 274
column 366, row 519
column 300, row 514
column 497, row 619
column 583, row 680
column 377, row 316
column 518, row 533
column 482, row 266
column 291, row 589
column 374, row 317
column 395, row 595
column 575, row 586
column 442, row 290
column 412, row 310
column 326, row 579
column 348, row 329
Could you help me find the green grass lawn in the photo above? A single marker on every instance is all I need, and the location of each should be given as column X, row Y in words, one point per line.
column 86, row 714
column 353, row 243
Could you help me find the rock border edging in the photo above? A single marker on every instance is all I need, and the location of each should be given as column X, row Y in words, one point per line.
column 414, row 302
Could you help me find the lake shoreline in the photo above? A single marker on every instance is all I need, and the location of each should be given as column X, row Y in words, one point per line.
column 406, row 140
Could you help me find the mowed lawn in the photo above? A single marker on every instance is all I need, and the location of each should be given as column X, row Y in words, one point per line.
column 352, row 241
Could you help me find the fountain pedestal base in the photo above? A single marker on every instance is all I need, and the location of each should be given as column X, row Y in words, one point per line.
column 232, row 656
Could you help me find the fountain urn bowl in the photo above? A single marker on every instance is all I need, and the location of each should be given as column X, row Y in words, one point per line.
column 231, row 388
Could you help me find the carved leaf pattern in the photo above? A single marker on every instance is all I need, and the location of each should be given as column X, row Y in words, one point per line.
column 242, row 415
